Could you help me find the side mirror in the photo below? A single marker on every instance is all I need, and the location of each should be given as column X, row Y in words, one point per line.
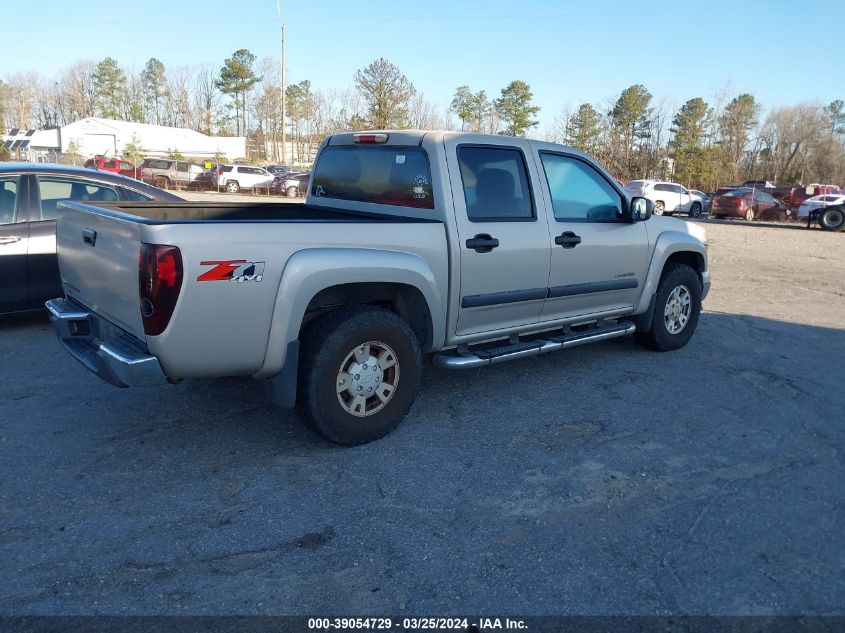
column 640, row 209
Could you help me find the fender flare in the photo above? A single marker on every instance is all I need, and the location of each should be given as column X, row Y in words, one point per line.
column 309, row 271
column 668, row 243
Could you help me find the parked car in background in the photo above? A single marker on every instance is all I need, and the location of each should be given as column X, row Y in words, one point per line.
column 280, row 170
column 113, row 165
column 759, row 184
column 668, row 197
column 29, row 193
column 166, row 173
column 748, row 203
column 794, row 196
column 233, row 178
column 704, row 197
column 819, row 202
column 291, row 185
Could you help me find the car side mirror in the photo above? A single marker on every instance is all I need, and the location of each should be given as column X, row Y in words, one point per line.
column 640, row 209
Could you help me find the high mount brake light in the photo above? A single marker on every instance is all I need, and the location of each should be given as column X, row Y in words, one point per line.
column 370, row 138
column 159, row 282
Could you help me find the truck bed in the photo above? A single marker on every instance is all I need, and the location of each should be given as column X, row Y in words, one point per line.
column 157, row 212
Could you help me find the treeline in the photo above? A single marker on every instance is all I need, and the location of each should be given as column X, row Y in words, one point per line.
column 700, row 144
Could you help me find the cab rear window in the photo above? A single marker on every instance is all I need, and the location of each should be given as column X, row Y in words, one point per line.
column 396, row 175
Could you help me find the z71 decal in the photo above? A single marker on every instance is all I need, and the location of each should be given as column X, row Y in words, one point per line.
column 235, row 270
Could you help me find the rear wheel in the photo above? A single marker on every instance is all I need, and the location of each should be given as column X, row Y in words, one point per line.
column 292, row 192
column 749, row 215
column 161, row 182
column 832, row 219
column 676, row 309
column 659, row 208
column 232, row 186
column 359, row 371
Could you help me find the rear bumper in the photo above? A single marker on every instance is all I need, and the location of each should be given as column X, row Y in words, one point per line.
column 104, row 349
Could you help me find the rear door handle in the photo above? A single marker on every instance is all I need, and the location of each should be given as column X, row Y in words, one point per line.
column 482, row 243
column 568, row 239
column 9, row 240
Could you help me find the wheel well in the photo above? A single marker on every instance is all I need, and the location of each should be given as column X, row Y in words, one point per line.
column 404, row 300
column 691, row 259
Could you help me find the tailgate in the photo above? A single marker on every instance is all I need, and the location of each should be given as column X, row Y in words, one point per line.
column 98, row 253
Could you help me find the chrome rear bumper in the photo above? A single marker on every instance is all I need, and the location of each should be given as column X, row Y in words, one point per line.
column 104, row 349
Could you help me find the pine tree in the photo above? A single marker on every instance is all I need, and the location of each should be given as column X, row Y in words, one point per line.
column 155, row 87
column 515, row 109
column 387, row 92
column 110, row 87
column 236, row 79
column 630, row 117
column 688, row 129
column 584, row 129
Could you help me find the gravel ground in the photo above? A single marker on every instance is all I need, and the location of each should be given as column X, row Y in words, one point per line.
column 602, row 480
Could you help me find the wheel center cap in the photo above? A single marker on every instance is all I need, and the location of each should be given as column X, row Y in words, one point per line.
column 366, row 376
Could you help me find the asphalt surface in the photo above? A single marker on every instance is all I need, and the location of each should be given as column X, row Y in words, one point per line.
column 602, row 480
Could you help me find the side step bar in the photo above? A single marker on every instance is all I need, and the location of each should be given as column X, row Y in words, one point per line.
column 522, row 349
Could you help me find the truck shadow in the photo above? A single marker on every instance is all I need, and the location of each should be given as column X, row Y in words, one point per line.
column 772, row 224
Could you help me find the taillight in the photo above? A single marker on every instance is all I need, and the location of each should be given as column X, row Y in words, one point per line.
column 379, row 137
column 219, row 171
column 159, row 282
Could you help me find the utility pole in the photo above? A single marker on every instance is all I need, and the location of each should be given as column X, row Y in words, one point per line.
column 282, row 87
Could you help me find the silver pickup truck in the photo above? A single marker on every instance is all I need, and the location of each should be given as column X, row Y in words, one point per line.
column 471, row 249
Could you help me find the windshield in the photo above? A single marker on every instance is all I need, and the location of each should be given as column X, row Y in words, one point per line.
column 397, row 175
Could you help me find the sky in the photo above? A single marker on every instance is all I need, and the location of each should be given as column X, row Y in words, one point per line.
column 568, row 51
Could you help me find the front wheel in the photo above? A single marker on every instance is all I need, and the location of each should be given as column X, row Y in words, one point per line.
column 695, row 210
column 659, row 208
column 832, row 219
column 359, row 371
column 677, row 307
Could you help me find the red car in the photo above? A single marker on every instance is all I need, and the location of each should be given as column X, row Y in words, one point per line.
column 744, row 202
column 113, row 165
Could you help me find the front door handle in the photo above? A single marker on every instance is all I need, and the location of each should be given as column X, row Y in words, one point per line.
column 482, row 243
column 568, row 239
column 9, row 240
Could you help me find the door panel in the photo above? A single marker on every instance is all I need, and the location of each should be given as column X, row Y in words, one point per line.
column 502, row 284
column 14, row 236
column 598, row 259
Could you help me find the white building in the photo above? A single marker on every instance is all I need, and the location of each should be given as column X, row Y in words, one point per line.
column 95, row 136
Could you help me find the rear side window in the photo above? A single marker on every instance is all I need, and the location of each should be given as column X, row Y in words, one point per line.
column 225, row 168
column 663, row 187
column 90, row 163
column 8, row 199
column 495, row 184
column 396, row 175
column 54, row 190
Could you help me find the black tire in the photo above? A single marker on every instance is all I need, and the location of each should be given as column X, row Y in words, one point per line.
column 750, row 216
column 161, row 182
column 658, row 337
column 695, row 210
column 659, row 208
column 233, row 186
column 326, row 345
column 832, row 219
column 292, row 192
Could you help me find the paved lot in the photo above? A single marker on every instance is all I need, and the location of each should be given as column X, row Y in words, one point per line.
column 606, row 479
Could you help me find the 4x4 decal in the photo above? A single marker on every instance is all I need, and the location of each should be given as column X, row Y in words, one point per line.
column 235, row 270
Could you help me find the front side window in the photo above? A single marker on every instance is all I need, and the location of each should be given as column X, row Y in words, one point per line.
column 495, row 184
column 8, row 199
column 578, row 191
column 134, row 196
column 382, row 174
column 54, row 190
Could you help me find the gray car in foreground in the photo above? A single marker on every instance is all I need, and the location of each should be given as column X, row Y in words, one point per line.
column 475, row 249
column 29, row 198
